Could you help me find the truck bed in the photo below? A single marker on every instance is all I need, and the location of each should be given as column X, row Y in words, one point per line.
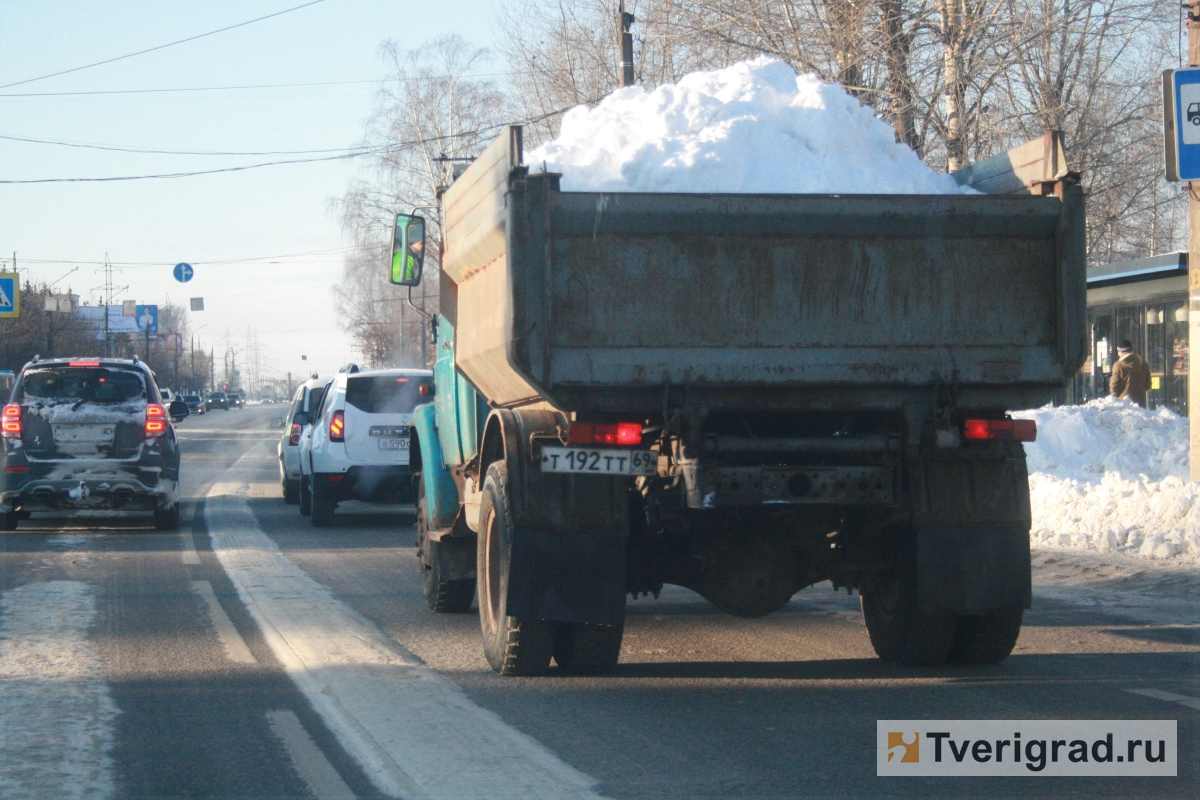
column 604, row 301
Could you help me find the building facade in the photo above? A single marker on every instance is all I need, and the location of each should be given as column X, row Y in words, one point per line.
column 1144, row 301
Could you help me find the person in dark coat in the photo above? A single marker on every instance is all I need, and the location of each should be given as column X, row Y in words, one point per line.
column 1130, row 375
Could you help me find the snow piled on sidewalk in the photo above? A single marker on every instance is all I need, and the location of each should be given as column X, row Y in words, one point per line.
column 1112, row 477
column 753, row 127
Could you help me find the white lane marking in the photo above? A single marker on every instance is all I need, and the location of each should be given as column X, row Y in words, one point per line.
column 1170, row 697
column 415, row 733
column 235, row 646
column 190, row 556
column 57, row 717
column 314, row 769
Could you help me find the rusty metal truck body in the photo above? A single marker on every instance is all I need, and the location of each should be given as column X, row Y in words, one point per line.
column 808, row 373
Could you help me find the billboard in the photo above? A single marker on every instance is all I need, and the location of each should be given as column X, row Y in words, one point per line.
column 144, row 318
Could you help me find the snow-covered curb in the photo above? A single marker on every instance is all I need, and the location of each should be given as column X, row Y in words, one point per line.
column 1111, row 477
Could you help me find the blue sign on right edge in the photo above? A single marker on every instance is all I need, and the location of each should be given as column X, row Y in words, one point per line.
column 1181, row 123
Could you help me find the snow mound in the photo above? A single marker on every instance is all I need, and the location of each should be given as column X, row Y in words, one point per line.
column 1113, row 477
column 755, row 127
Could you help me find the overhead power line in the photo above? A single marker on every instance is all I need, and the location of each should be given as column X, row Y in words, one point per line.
column 152, row 151
column 237, row 88
column 340, row 157
column 161, row 46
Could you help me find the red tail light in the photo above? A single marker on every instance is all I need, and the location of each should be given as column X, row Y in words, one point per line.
column 622, row 433
column 10, row 422
column 337, row 427
column 425, row 389
column 294, row 437
column 156, row 420
column 1012, row 430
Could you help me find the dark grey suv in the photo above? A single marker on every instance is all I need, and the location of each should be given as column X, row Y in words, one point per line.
column 85, row 435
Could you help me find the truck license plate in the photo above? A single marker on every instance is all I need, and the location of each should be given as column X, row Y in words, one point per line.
column 393, row 444
column 599, row 461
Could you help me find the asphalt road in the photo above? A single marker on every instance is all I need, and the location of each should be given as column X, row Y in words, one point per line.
column 252, row 655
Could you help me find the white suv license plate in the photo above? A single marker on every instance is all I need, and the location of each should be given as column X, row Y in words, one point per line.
column 599, row 461
column 393, row 444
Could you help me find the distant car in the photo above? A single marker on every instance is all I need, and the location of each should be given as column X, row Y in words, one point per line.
column 194, row 403
column 235, row 400
column 304, row 405
column 167, row 395
column 216, row 400
column 357, row 447
column 91, row 435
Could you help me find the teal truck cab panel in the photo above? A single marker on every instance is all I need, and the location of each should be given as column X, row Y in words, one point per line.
column 460, row 410
column 441, row 494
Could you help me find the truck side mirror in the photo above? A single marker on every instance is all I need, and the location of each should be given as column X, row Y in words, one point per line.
column 408, row 250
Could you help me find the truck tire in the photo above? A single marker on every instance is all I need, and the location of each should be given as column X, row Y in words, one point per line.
column 899, row 632
column 167, row 519
column 8, row 521
column 442, row 596
column 512, row 645
column 987, row 638
column 321, row 503
column 585, row 649
column 305, row 499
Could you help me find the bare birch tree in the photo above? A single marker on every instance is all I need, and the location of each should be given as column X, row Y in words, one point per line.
column 433, row 111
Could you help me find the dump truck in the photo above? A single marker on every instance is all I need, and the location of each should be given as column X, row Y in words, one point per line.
column 743, row 395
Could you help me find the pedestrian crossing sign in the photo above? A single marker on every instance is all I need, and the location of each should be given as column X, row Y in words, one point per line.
column 10, row 295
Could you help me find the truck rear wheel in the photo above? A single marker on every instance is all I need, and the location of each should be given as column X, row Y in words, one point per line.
column 512, row 645
column 899, row 632
column 584, row 649
column 987, row 638
column 442, row 596
column 8, row 521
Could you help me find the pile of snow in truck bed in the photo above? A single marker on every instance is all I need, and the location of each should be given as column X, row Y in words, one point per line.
column 1113, row 477
column 754, row 127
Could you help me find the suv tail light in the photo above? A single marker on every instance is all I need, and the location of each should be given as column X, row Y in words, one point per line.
column 337, row 427
column 156, row 420
column 1011, row 430
column 294, row 437
column 626, row 433
column 10, row 422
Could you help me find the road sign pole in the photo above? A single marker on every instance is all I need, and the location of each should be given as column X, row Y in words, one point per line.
column 1193, row 12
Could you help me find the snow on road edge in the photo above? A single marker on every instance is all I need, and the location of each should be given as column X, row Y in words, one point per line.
column 57, row 715
column 415, row 733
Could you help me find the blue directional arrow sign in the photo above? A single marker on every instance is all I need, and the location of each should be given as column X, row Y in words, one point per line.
column 1181, row 126
column 184, row 272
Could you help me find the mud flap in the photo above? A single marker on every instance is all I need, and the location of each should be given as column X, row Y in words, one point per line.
column 977, row 569
column 567, row 577
column 456, row 557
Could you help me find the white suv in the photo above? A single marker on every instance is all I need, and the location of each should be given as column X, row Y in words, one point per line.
column 304, row 407
column 357, row 447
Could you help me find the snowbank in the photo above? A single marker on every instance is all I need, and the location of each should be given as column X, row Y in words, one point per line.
column 1113, row 477
column 754, row 127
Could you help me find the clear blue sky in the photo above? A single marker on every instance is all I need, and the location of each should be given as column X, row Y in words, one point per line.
column 147, row 225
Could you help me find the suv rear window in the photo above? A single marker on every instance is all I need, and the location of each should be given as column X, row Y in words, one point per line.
column 384, row 394
column 96, row 384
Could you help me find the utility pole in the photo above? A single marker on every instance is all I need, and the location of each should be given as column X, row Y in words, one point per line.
column 1193, row 12
column 107, row 302
column 625, row 21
